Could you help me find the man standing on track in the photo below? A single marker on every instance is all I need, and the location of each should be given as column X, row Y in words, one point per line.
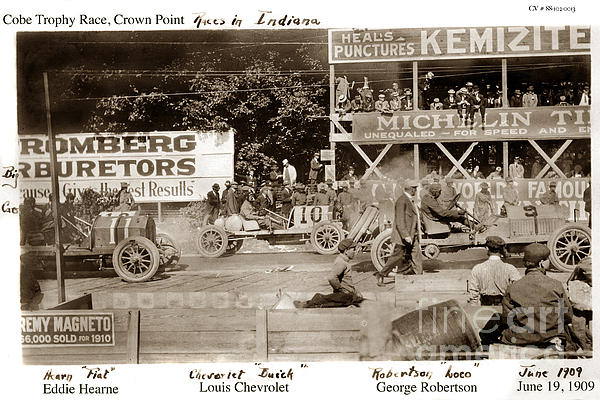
column 405, row 235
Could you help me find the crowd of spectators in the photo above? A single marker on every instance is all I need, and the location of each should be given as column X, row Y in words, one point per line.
column 434, row 96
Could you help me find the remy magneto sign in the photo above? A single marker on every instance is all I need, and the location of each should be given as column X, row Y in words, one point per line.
column 67, row 328
column 571, row 122
column 159, row 166
column 439, row 43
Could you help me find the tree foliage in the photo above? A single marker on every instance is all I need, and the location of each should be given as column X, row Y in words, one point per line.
column 268, row 99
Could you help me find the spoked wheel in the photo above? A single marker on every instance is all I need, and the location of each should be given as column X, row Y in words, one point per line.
column 169, row 253
column 136, row 259
column 382, row 249
column 569, row 245
column 326, row 236
column 212, row 241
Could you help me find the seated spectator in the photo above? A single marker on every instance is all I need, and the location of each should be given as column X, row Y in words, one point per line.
column 517, row 99
column 450, row 101
column 343, row 106
column 436, row 105
column 367, row 102
column 545, row 98
column 496, row 173
column 585, row 99
column 356, row 104
column 498, row 100
column 382, row 105
column 407, row 101
column 562, row 101
column 530, row 99
column 395, row 104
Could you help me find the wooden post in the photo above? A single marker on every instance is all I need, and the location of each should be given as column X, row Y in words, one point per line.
column 133, row 337
column 159, row 204
column 504, row 83
column 415, row 84
column 58, row 249
column 416, row 161
column 505, row 161
column 332, row 101
column 262, row 335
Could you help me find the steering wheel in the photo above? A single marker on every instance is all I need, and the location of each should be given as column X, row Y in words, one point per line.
column 454, row 202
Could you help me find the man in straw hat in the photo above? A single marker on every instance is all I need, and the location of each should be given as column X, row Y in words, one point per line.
column 405, row 235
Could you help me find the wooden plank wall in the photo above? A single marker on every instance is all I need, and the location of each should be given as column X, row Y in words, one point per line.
column 213, row 335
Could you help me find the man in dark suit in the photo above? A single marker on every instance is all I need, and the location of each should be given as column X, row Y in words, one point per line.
column 213, row 205
column 405, row 235
column 315, row 167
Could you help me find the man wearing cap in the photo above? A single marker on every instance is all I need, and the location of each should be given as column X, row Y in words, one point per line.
column 450, row 101
column 478, row 103
column 343, row 106
column 285, row 196
column 395, row 104
column 550, row 196
column 436, row 105
column 407, row 101
column 530, row 99
column 331, row 193
column 516, row 169
column 289, row 173
column 126, row 200
column 483, row 207
column 340, row 278
column 232, row 204
column 315, row 167
column 510, row 195
column 536, row 308
column 432, row 209
column 405, row 235
column 496, row 173
column 382, row 104
column 321, row 198
column 490, row 279
column 350, row 177
column 447, row 193
column 299, row 195
column 356, row 104
column 224, row 194
column 214, row 204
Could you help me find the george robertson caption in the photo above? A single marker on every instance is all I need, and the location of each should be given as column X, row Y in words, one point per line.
column 69, row 21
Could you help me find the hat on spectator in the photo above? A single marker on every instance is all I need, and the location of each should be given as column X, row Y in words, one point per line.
column 552, row 184
column 469, row 84
column 476, row 87
column 494, row 243
column 407, row 91
column 316, row 153
column 342, row 98
column 345, row 245
column 530, row 87
column 381, row 95
column 534, row 253
column 451, row 91
column 329, row 182
column 517, row 91
column 484, row 185
column 411, row 183
column 215, row 186
column 285, row 161
column 124, row 184
column 436, row 100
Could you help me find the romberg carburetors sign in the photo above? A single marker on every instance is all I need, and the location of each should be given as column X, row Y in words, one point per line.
column 159, row 166
column 368, row 45
column 67, row 328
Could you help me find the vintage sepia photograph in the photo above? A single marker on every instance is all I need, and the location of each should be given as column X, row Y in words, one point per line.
column 407, row 194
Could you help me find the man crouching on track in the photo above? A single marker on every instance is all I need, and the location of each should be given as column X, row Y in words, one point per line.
column 344, row 293
column 405, row 235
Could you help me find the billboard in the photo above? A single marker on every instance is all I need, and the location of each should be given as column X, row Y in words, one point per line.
column 368, row 45
column 159, row 166
column 569, row 122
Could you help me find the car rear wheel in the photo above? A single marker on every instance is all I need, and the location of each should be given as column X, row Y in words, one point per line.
column 569, row 245
column 136, row 259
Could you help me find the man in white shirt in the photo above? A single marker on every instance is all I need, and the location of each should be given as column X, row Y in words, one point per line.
column 289, row 173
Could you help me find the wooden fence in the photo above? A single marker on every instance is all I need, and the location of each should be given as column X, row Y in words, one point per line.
column 208, row 335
